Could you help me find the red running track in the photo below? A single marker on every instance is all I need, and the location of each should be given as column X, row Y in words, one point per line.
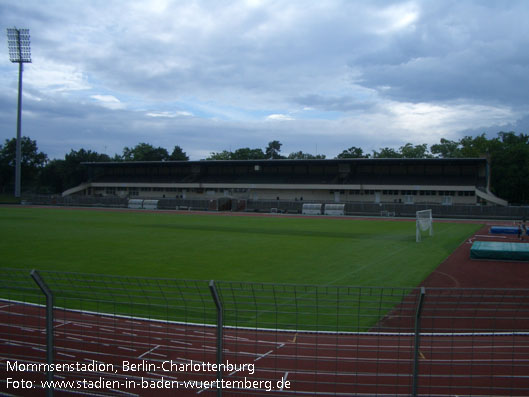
column 313, row 364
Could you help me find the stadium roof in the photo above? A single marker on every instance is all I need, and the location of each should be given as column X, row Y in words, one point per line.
column 394, row 161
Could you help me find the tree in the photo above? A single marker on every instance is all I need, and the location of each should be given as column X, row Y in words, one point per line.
column 508, row 156
column 273, row 149
column 478, row 146
column 224, row 155
column 74, row 172
column 145, row 152
column 248, row 154
column 409, row 151
column 509, row 163
column 239, row 154
column 386, row 153
column 178, row 154
column 51, row 179
column 305, row 156
column 353, row 153
column 59, row 175
column 32, row 161
column 446, row 149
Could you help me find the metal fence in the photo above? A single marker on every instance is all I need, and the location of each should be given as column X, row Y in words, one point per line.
column 295, row 207
column 82, row 201
column 402, row 210
column 108, row 335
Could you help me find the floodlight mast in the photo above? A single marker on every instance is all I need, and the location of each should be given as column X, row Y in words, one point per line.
column 19, row 52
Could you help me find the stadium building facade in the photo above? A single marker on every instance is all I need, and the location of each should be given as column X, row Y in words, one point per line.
column 407, row 181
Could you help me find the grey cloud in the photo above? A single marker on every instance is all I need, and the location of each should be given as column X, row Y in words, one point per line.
column 521, row 126
column 333, row 56
column 343, row 103
column 457, row 50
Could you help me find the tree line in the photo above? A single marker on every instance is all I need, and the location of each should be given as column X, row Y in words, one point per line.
column 508, row 154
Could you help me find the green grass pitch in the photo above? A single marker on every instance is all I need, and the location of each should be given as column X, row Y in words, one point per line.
column 235, row 248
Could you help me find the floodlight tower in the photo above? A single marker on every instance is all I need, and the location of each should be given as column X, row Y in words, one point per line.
column 19, row 52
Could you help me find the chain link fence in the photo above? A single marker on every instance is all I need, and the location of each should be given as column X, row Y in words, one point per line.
column 103, row 335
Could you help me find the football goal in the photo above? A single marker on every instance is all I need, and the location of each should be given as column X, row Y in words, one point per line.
column 423, row 223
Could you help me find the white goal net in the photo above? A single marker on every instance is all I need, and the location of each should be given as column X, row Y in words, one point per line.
column 423, row 223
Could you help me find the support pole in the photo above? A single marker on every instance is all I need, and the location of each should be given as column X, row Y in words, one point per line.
column 18, row 158
column 417, row 341
column 19, row 52
column 49, row 327
column 218, row 304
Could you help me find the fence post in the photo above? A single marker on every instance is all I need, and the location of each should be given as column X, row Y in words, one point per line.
column 49, row 328
column 218, row 304
column 417, row 341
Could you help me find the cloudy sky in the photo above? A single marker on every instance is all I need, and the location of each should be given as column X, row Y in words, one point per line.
column 319, row 76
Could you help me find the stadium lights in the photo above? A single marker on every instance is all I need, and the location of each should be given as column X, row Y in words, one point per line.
column 19, row 52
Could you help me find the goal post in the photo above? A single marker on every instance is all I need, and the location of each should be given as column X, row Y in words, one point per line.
column 423, row 223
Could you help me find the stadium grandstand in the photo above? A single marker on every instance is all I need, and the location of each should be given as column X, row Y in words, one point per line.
column 406, row 181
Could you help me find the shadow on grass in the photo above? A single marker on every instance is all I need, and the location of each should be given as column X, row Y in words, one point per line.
column 287, row 232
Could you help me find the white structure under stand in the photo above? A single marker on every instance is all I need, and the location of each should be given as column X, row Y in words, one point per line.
column 335, row 209
column 138, row 204
column 135, row 204
column 312, row 209
column 150, row 204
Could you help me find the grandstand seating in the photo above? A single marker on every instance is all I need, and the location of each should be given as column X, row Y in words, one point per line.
column 338, row 180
